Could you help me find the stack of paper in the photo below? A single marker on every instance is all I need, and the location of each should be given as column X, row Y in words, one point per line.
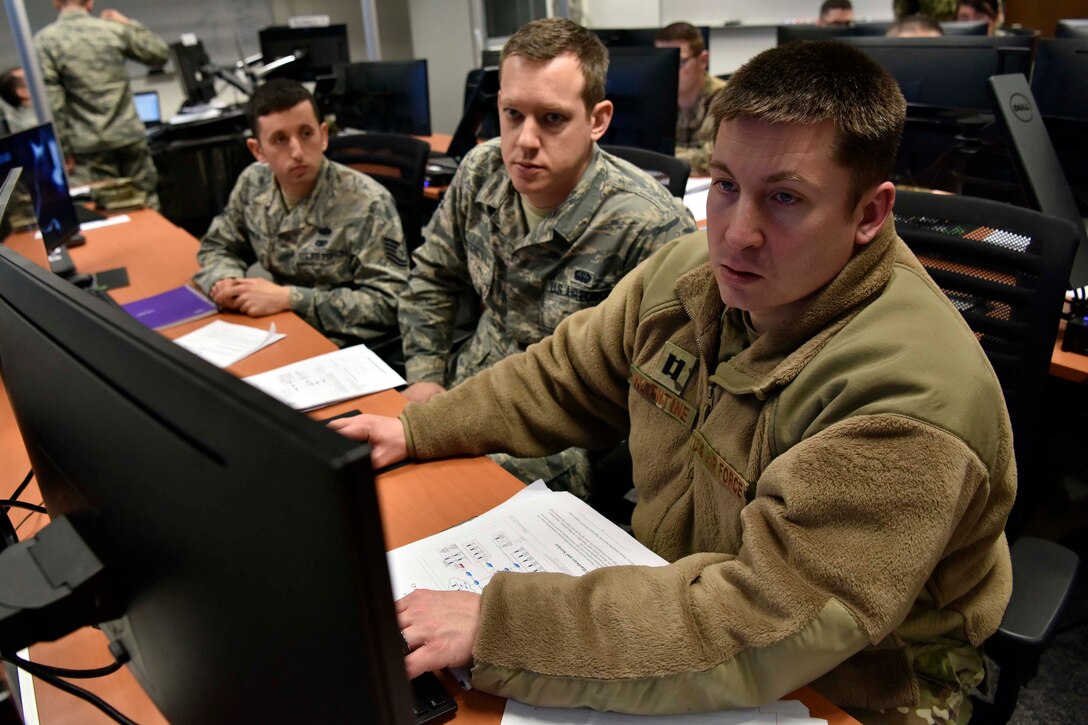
column 225, row 343
column 328, row 378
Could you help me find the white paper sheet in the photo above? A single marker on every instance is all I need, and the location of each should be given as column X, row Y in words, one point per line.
column 696, row 203
column 328, row 378
column 783, row 712
column 225, row 343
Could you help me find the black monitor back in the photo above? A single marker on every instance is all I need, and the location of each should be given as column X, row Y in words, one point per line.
column 242, row 540
column 965, row 27
column 803, row 31
column 193, row 68
column 317, row 50
column 384, row 96
column 1071, row 29
column 36, row 150
column 638, row 37
column 1059, row 77
column 642, row 119
column 947, row 72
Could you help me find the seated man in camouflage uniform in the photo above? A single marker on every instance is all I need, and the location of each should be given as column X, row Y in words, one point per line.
column 694, row 125
column 83, row 68
column 820, row 447
column 540, row 223
column 329, row 236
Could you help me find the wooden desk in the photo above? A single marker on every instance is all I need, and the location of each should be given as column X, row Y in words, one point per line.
column 416, row 500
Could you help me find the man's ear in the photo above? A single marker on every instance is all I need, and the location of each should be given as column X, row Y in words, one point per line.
column 704, row 61
column 599, row 118
column 254, row 147
column 324, row 136
column 875, row 208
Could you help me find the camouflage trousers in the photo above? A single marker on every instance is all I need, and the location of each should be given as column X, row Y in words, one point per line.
column 133, row 161
column 564, row 471
column 946, row 675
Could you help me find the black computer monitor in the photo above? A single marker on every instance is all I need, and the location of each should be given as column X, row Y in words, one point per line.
column 241, row 541
column 1059, row 77
column 965, row 27
column 947, row 72
column 642, row 85
column 36, row 150
column 872, row 29
column 316, row 50
column 639, row 37
column 196, row 74
column 1071, row 29
column 804, row 31
column 384, row 96
column 481, row 115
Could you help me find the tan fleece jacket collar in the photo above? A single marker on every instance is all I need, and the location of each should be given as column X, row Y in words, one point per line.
column 779, row 355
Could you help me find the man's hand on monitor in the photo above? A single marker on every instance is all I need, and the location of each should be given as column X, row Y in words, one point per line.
column 385, row 435
column 422, row 392
column 439, row 629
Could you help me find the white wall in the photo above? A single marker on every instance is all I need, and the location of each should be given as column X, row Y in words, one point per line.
column 442, row 33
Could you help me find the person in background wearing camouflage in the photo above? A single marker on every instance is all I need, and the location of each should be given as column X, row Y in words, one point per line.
column 329, row 236
column 694, row 126
column 540, row 223
column 83, row 68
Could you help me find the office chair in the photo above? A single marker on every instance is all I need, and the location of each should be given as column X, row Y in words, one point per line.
column 1005, row 268
column 669, row 170
column 397, row 163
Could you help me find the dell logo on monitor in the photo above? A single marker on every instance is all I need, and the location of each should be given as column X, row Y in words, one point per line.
column 1021, row 107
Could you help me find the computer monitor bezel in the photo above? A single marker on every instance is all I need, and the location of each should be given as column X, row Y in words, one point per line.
column 1061, row 64
column 652, row 125
column 639, row 37
column 59, row 199
column 406, row 82
column 242, row 539
column 324, row 46
column 1071, row 28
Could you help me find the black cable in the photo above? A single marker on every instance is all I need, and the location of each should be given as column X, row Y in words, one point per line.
column 45, row 676
column 22, row 486
column 72, row 674
column 11, row 503
column 25, row 519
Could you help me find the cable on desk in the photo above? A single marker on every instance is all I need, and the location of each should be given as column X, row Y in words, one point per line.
column 12, row 503
column 43, row 673
column 25, row 519
column 22, row 486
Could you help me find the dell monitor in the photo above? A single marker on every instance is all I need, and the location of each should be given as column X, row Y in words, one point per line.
column 241, row 542
column 1059, row 77
column 640, row 119
column 384, row 96
column 638, row 37
column 1071, row 29
column 793, row 33
column 196, row 75
column 316, row 51
column 947, row 72
column 36, row 150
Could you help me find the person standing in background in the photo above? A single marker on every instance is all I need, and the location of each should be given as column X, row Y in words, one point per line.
column 694, row 126
column 835, row 13
column 83, row 68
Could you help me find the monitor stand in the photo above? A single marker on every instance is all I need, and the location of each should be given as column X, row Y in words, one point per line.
column 61, row 264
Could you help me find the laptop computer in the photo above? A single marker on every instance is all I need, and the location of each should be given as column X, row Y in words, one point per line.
column 148, row 108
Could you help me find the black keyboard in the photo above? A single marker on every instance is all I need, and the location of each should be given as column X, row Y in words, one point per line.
column 431, row 700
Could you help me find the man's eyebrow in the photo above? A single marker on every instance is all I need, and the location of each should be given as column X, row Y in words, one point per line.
column 772, row 179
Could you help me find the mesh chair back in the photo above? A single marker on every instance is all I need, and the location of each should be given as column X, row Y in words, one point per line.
column 1005, row 268
column 397, row 163
column 669, row 170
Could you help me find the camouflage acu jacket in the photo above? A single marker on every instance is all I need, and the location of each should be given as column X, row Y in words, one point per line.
column 478, row 239
column 83, row 68
column 341, row 249
column 695, row 129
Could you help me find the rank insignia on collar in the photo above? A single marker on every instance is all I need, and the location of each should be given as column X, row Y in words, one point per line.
column 673, row 368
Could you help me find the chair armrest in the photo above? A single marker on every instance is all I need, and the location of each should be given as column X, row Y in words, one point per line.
column 1043, row 573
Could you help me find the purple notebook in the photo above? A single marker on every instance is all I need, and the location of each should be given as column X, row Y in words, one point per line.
column 181, row 304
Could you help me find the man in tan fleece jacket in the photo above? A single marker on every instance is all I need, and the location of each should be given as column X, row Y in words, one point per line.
column 820, row 447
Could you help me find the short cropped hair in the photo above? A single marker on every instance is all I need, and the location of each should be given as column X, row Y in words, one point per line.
column 815, row 81
column 544, row 40
column 278, row 94
column 829, row 5
column 914, row 25
column 8, row 83
column 683, row 33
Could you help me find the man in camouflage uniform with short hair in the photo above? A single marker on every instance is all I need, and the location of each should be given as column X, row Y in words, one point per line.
column 539, row 223
column 83, row 68
column 329, row 236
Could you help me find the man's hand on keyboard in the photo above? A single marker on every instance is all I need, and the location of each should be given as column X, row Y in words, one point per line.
column 388, row 444
column 439, row 629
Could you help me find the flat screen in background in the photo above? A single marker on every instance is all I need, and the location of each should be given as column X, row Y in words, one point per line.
column 37, row 151
column 147, row 107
